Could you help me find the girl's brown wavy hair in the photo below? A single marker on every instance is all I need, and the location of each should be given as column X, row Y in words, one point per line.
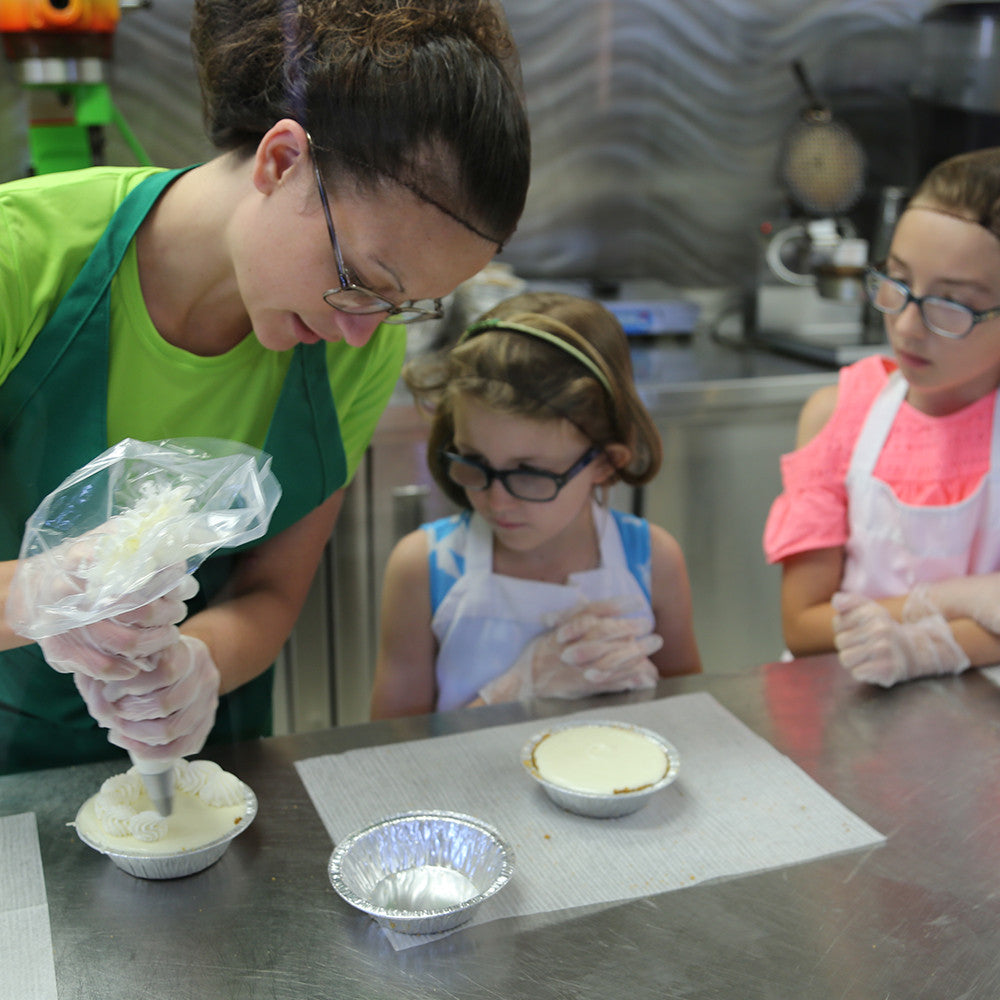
column 527, row 376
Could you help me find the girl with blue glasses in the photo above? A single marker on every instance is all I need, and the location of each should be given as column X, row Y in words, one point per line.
column 888, row 529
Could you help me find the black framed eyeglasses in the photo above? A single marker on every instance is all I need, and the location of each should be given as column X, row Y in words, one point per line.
column 940, row 315
column 356, row 300
column 523, row 483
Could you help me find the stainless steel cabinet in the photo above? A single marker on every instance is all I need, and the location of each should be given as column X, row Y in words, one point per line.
column 722, row 445
column 328, row 664
column 393, row 494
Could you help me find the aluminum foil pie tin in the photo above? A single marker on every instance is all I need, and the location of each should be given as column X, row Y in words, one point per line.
column 599, row 805
column 164, row 866
column 421, row 872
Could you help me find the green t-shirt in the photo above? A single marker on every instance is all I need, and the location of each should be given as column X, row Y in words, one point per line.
column 48, row 227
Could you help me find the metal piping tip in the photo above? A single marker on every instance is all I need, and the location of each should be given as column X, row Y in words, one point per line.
column 160, row 789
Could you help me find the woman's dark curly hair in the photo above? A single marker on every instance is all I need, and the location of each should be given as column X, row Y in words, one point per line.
column 424, row 93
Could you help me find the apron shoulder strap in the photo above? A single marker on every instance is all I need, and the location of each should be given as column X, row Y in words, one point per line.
column 877, row 425
column 85, row 295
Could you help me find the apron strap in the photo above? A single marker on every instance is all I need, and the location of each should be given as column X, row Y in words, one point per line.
column 995, row 434
column 877, row 425
column 86, row 294
column 479, row 548
column 304, row 438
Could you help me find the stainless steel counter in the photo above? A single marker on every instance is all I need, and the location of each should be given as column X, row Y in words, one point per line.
column 675, row 377
column 916, row 918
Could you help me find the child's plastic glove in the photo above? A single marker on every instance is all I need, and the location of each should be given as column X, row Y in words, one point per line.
column 591, row 650
column 107, row 649
column 160, row 713
column 976, row 597
column 879, row 650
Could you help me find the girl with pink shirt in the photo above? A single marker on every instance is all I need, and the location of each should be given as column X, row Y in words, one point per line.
column 888, row 529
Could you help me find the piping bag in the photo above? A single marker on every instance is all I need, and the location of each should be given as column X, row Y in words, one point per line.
column 126, row 528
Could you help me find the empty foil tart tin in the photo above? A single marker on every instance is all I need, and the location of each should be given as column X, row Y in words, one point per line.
column 421, row 872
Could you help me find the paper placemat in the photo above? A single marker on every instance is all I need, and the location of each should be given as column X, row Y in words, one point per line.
column 738, row 806
column 25, row 938
column 991, row 674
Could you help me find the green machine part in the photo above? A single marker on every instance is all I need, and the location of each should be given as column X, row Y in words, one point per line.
column 67, row 123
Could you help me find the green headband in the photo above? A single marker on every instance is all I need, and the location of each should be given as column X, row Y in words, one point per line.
column 564, row 345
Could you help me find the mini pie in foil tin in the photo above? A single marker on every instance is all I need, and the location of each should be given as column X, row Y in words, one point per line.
column 165, row 866
column 421, row 872
column 595, row 804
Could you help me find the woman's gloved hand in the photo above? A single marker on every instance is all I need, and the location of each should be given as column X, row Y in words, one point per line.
column 592, row 650
column 54, row 590
column 108, row 650
column 161, row 713
column 879, row 650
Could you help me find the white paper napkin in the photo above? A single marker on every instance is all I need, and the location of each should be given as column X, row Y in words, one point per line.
column 738, row 806
column 28, row 971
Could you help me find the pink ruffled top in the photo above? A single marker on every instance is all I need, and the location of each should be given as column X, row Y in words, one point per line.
column 927, row 461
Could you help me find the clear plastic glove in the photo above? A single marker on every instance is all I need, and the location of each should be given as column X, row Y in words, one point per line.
column 592, row 650
column 107, row 649
column 160, row 713
column 976, row 597
column 879, row 650
column 52, row 591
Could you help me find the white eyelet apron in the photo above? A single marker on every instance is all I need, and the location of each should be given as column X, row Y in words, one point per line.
column 892, row 545
column 486, row 619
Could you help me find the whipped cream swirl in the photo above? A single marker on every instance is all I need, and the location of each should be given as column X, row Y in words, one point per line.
column 122, row 807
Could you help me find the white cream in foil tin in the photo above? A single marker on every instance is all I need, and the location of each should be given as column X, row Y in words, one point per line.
column 209, row 804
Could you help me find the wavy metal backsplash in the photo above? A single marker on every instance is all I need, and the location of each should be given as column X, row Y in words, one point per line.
column 656, row 124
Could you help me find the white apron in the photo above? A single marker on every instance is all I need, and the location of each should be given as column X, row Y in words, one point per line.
column 892, row 546
column 486, row 619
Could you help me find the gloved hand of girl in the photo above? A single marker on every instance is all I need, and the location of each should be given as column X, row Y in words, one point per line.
column 160, row 713
column 976, row 597
column 592, row 650
column 879, row 650
column 108, row 649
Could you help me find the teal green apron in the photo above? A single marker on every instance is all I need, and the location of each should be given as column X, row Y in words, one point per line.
column 53, row 420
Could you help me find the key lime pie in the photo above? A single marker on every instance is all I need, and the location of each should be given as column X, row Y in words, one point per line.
column 604, row 760
column 211, row 806
column 600, row 768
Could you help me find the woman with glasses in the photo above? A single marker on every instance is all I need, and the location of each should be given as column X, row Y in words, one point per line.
column 372, row 155
column 888, row 529
column 535, row 588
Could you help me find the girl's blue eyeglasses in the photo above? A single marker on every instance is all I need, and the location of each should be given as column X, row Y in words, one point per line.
column 941, row 316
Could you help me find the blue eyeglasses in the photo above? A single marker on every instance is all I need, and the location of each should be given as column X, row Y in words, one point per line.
column 524, row 483
column 940, row 315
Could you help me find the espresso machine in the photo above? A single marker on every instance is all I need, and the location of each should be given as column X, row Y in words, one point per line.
column 62, row 51
column 809, row 297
